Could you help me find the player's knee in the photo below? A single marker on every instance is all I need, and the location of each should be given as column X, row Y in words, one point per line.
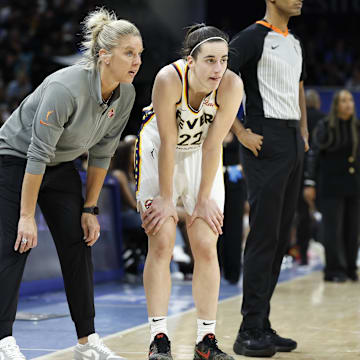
column 161, row 249
column 205, row 251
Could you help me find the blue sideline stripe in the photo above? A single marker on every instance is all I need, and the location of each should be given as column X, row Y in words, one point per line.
column 37, row 287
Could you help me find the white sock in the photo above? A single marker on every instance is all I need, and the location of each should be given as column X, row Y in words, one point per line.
column 204, row 327
column 158, row 324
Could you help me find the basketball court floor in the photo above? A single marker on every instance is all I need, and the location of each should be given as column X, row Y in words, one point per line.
column 323, row 317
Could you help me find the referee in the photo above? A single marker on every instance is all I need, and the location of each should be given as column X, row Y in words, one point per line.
column 274, row 136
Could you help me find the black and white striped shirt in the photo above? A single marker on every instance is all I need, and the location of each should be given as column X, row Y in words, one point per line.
column 271, row 65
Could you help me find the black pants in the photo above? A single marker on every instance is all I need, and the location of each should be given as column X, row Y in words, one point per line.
column 60, row 200
column 340, row 224
column 273, row 182
column 303, row 227
column 230, row 243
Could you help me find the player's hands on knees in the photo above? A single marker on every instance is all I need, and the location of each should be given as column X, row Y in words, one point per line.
column 155, row 216
column 251, row 141
column 91, row 228
column 27, row 234
column 208, row 210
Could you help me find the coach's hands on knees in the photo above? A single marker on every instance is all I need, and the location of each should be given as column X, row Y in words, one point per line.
column 27, row 234
column 208, row 210
column 91, row 228
column 251, row 141
column 158, row 212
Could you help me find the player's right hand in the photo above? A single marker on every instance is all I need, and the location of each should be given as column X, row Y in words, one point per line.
column 251, row 141
column 208, row 210
column 155, row 216
column 27, row 234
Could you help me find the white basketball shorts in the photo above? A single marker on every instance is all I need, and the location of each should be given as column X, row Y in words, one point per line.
column 187, row 173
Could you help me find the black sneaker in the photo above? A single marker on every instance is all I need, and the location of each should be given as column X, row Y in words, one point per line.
column 207, row 349
column 281, row 344
column 160, row 348
column 253, row 342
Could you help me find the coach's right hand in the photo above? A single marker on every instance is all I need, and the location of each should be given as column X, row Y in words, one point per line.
column 155, row 216
column 27, row 234
column 251, row 141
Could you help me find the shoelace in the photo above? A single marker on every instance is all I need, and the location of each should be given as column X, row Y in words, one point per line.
column 162, row 345
column 13, row 351
column 271, row 331
column 212, row 343
column 256, row 333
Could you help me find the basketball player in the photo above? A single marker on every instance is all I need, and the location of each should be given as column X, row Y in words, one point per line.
column 195, row 101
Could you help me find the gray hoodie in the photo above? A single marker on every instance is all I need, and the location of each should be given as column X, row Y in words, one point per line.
column 64, row 117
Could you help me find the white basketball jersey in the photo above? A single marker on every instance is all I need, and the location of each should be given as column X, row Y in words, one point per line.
column 193, row 124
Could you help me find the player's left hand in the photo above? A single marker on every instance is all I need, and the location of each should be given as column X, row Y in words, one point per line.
column 91, row 228
column 208, row 210
column 305, row 136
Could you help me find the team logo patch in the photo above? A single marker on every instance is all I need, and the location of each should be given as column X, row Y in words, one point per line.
column 148, row 203
column 47, row 117
column 111, row 113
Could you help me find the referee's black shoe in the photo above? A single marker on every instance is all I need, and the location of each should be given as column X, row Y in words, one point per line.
column 254, row 343
column 281, row 344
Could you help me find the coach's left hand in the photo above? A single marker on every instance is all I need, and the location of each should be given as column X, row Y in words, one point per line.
column 91, row 228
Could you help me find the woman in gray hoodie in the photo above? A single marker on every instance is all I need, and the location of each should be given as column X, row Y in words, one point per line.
column 83, row 107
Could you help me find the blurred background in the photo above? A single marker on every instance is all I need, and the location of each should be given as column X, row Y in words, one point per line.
column 40, row 36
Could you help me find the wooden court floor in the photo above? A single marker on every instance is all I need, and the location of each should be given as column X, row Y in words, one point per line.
column 324, row 318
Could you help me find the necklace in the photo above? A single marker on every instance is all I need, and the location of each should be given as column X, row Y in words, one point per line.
column 108, row 99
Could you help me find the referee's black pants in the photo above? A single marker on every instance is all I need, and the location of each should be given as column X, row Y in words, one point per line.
column 303, row 227
column 230, row 243
column 273, row 181
column 61, row 202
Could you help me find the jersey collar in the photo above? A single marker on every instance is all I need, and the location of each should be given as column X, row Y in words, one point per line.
column 273, row 27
